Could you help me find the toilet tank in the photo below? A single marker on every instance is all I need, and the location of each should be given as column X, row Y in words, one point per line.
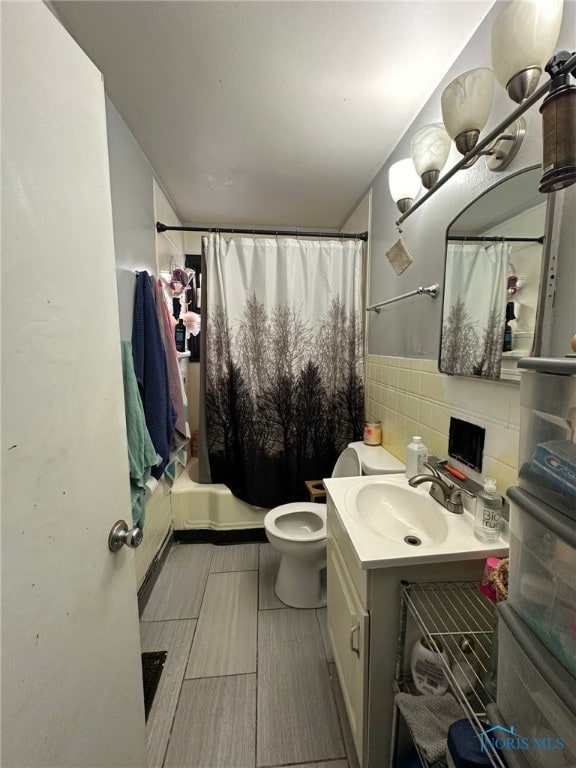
column 372, row 459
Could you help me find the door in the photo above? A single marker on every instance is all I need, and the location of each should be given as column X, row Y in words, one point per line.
column 71, row 672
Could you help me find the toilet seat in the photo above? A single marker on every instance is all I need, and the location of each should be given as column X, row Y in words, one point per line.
column 298, row 521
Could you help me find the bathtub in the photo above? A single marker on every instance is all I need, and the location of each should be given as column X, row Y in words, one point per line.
column 210, row 505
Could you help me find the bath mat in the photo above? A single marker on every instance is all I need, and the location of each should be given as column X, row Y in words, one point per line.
column 152, row 666
column 399, row 257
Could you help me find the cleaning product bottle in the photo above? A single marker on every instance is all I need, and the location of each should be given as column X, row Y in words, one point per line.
column 427, row 664
column 180, row 336
column 416, row 455
column 488, row 520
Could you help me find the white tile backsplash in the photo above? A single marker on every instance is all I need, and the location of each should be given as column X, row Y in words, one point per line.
column 411, row 397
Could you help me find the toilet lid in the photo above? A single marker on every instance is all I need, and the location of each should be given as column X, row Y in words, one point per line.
column 348, row 464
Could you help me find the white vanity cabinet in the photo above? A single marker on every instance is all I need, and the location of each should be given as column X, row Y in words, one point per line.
column 348, row 630
column 363, row 615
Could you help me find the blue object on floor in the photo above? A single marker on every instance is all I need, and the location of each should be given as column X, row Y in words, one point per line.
column 465, row 747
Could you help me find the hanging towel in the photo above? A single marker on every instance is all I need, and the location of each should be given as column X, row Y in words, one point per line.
column 429, row 717
column 180, row 434
column 142, row 455
column 151, row 371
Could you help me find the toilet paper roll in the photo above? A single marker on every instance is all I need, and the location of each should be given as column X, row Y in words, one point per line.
column 149, row 487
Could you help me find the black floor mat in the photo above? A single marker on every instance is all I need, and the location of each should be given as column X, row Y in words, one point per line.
column 152, row 666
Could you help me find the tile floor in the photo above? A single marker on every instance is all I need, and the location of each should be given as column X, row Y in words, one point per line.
column 248, row 682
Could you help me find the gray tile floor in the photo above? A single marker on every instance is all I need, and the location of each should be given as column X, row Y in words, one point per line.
column 248, row 682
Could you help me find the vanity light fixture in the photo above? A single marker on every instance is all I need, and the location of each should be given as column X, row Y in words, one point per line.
column 503, row 141
column 430, row 150
column 522, row 39
column 466, row 107
column 404, row 183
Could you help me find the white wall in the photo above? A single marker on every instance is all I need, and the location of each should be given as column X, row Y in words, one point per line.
column 138, row 202
column 169, row 245
column 133, row 213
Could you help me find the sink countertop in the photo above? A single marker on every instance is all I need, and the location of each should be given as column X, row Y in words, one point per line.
column 374, row 550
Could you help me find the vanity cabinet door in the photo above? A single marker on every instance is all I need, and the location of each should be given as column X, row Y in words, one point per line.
column 348, row 632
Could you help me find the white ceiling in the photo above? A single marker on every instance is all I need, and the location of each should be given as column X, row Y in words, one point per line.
column 275, row 114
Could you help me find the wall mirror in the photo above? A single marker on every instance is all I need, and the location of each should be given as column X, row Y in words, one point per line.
column 493, row 269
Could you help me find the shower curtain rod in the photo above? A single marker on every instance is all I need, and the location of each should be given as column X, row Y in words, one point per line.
column 283, row 232
column 496, row 239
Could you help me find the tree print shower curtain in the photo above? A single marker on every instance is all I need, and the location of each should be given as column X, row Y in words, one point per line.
column 474, row 309
column 284, row 389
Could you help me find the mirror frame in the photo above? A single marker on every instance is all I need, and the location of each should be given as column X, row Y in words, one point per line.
column 547, row 284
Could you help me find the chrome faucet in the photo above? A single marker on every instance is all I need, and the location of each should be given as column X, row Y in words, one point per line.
column 444, row 492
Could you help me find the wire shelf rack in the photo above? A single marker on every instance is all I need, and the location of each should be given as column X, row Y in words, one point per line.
column 444, row 613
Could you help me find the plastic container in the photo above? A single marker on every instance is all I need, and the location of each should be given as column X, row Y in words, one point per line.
column 547, row 455
column 542, row 578
column 416, row 455
column 535, row 695
column 464, row 748
column 428, row 670
column 488, row 514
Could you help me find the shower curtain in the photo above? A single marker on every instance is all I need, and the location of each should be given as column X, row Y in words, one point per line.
column 474, row 308
column 284, row 389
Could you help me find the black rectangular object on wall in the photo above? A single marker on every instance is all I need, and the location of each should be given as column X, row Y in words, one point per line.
column 466, row 443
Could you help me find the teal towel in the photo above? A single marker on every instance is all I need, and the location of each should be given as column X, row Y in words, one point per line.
column 141, row 452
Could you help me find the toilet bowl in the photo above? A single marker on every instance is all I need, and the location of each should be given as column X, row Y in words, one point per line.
column 298, row 530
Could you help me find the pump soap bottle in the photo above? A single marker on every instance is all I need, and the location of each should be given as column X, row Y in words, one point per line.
column 488, row 512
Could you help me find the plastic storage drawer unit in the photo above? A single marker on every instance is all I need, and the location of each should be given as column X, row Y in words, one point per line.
column 547, row 457
column 542, row 578
column 536, row 696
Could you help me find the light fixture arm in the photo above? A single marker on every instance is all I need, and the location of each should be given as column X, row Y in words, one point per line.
column 490, row 138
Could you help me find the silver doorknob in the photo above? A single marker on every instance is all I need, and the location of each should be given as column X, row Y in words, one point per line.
column 121, row 534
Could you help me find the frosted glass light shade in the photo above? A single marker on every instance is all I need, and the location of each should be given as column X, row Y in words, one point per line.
column 403, row 180
column 523, row 36
column 467, row 101
column 430, row 148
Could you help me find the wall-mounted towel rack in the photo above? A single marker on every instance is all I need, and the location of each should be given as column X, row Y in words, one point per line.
column 431, row 290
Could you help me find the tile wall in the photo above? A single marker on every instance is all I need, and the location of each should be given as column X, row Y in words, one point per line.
column 410, row 397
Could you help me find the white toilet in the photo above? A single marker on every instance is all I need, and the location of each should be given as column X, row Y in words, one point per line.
column 298, row 530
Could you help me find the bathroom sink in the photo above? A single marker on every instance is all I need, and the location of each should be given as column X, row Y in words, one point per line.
column 390, row 523
column 401, row 514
